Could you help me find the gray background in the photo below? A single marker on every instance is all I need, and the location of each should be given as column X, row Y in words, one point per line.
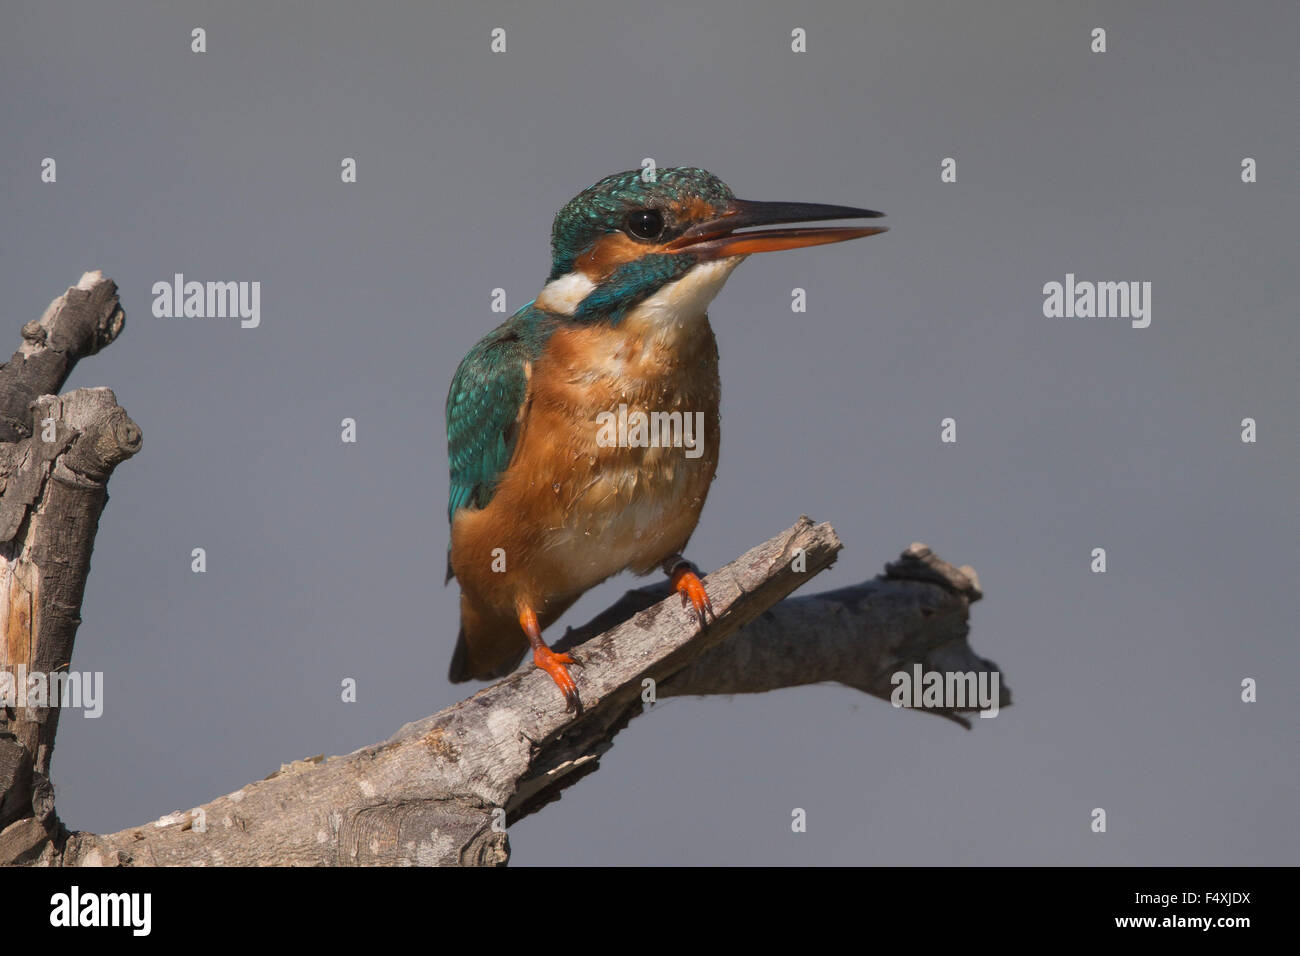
column 1072, row 434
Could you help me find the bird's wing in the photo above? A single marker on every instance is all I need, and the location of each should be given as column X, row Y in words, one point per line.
column 485, row 416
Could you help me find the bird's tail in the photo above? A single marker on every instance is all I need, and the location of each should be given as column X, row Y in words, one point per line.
column 487, row 647
column 490, row 645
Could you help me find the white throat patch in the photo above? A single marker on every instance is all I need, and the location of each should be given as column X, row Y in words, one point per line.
column 677, row 302
column 565, row 294
column 685, row 299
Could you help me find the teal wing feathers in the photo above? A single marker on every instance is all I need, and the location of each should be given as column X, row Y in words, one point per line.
column 484, row 409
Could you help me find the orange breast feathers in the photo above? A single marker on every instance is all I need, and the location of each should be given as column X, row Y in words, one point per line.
column 616, row 453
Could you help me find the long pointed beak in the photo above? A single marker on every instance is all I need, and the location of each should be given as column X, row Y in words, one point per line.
column 718, row 238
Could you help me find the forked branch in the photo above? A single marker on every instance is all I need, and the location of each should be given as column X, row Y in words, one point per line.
column 442, row 790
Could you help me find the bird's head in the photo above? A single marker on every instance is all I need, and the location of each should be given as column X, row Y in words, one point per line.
column 618, row 243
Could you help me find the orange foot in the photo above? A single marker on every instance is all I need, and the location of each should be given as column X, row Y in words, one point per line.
column 687, row 583
column 551, row 662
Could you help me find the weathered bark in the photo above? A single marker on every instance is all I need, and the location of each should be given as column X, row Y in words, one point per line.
column 441, row 789
column 917, row 612
column 54, row 467
column 78, row 323
column 429, row 794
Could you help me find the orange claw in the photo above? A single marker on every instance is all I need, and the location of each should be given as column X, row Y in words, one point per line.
column 688, row 584
column 551, row 662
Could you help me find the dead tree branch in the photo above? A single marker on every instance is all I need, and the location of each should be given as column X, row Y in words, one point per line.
column 56, row 456
column 442, row 789
column 917, row 612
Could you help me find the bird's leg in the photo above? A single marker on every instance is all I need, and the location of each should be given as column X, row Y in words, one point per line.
column 685, row 578
column 549, row 661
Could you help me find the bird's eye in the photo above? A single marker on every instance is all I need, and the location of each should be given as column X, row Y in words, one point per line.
column 645, row 224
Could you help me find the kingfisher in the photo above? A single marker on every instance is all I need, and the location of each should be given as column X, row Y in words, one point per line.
column 547, row 499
